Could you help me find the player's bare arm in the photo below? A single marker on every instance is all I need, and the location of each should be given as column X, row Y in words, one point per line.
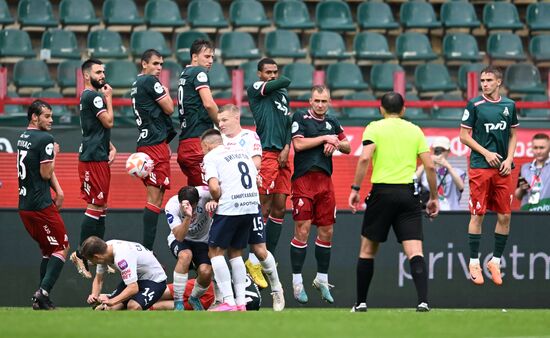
column 130, row 290
column 59, row 194
column 280, row 83
column 214, row 188
column 466, row 138
column 305, row 143
column 166, row 104
column 506, row 166
column 360, row 171
column 97, row 285
column 344, row 146
column 209, row 104
column 282, row 158
column 432, row 207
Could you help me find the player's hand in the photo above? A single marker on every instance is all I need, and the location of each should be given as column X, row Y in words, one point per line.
column 92, row 299
column 493, row 159
column 283, row 157
column 112, row 155
column 211, row 206
column 59, row 198
column 186, row 208
column 432, row 208
column 329, row 149
column 259, row 181
column 505, row 168
column 354, row 201
column 441, row 161
column 56, row 148
column 524, row 186
column 332, row 139
column 107, row 91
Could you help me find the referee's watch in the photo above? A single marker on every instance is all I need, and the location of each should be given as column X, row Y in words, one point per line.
column 355, row 187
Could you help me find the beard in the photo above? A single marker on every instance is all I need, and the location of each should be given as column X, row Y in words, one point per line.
column 97, row 84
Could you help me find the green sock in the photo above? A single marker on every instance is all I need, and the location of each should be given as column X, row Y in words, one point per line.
column 100, row 227
column 43, row 267
column 150, row 219
column 55, row 265
column 298, row 251
column 500, row 243
column 88, row 228
column 322, row 255
column 273, row 232
column 473, row 240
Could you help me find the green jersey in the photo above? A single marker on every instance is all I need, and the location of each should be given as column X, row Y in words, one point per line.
column 34, row 147
column 269, row 105
column 153, row 124
column 490, row 122
column 194, row 119
column 305, row 124
column 95, row 137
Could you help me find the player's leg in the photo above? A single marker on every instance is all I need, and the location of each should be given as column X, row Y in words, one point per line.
column 474, row 239
column 190, row 158
column 148, row 294
column 181, row 275
column 239, row 241
column 298, row 251
column 151, row 215
column 204, row 275
column 269, row 266
column 364, row 271
column 323, row 245
column 413, row 251
column 276, row 217
column 253, row 265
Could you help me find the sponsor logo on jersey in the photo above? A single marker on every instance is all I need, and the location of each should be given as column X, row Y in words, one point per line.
column 466, row 115
column 49, row 149
column 158, row 88
column 126, row 274
column 122, row 264
column 328, row 125
column 492, row 126
column 505, row 112
column 98, row 102
column 242, row 142
column 202, row 77
column 295, row 127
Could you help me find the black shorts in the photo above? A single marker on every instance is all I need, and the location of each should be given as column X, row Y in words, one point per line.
column 392, row 205
column 199, row 251
column 257, row 230
column 149, row 293
column 230, row 231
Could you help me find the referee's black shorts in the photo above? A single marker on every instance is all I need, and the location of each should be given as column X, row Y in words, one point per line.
column 392, row 205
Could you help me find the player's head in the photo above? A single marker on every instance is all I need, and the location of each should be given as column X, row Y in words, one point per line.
column 202, row 53
column 190, row 194
column 93, row 72
column 541, row 147
column 392, row 103
column 229, row 118
column 40, row 115
column 151, row 62
column 319, row 100
column 210, row 139
column 268, row 69
column 490, row 79
column 94, row 249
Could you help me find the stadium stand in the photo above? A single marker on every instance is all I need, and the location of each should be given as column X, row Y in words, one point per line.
column 77, row 13
column 523, row 78
column 15, row 45
column 536, row 113
column 106, row 44
column 432, row 77
column 301, row 76
column 459, row 14
column 250, row 70
column 284, row 45
column 122, row 14
column 183, row 44
column 5, row 15
column 505, row 47
column 412, row 113
column 292, row 14
column 334, row 15
column 343, row 77
column 381, row 76
column 375, row 15
column 418, row 14
column 174, row 70
column 163, row 13
column 413, row 47
column 248, row 13
column 120, row 74
column 206, row 14
column 60, row 44
column 219, row 77
column 31, row 74
column 236, row 46
column 371, row 47
column 464, row 70
column 460, row 48
column 539, row 48
column 501, row 15
column 537, row 16
column 327, row 47
column 36, row 14
column 60, row 111
column 361, row 113
column 140, row 41
column 447, row 113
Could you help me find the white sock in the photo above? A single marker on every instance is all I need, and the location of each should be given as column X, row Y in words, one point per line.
column 270, row 268
column 297, row 278
column 198, row 290
column 253, row 259
column 180, row 279
column 322, row 277
column 218, row 297
column 238, row 273
column 223, row 278
column 474, row 261
column 496, row 260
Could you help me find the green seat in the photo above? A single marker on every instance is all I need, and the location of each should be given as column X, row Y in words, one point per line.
column 224, row 94
column 56, row 109
column 523, row 78
column 334, row 15
column 375, row 15
column 36, row 13
column 66, row 74
column 538, row 16
column 300, row 75
column 5, row 15
column 61, row 43
column 126, row 111
column 206, row 14
column 418, row 14
column 120, row 73
column 163, row 13
column 77, row 12
column 106, row 44
column 327, row 46
column 539, row 48
column 292, row 14
column 14, row 109
column 412, row 46
column 501, row 15
column 463, row 71
column 15, row 44
column 460, row 47
column 371, row 46
column 345, row 75
column 248, row 13
column 121, row 13
column 431, row 77
column 219, row 77
column 175, row 70
column 505, row 46
column 238, row 45
column 381, row 76
column 184, row 40
column 250, row 70
column 447, row 113
column 283, row 43
column 459, row 14
column 536, row 112
column 31, row 73
column 140, row 41
column 413, row 113
column 361, row 112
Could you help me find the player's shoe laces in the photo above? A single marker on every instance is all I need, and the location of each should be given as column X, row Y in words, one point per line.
column 299, row 293
column 41, row 301
column 476, row 275
column 81, row 265
column 324, row 288
column 362, row 307
column 178, row 305
column 255, row 271
column 223, row 307
column 494, row 269
column 195, row 303
column 423, row 307
column 278, row 300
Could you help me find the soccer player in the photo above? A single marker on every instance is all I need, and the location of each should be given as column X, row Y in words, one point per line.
column 269, row 105
column 153, row 106
column 234, row 136
column 393, row 145
column 143, row 279
column 489, row 128
column 96, row 153
column 188, row 215
column 231, row 177
column 315, row 136
column 197, row 110
column 36, row 152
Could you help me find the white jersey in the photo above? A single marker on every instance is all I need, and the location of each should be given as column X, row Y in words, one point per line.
column 200, row 222
column 236, row 172
column 247, row 140
column 134, row 262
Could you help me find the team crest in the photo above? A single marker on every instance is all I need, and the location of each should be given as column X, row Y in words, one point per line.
column 98, row 102
column 242, row 142
column 49, row 149
column 505, row 112
column 466, row 115
column 295, row 127
column 202, row 77
column 158, row 88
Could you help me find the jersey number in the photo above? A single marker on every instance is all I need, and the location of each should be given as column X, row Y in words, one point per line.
column 258, row 223
column 148, row 295
column 22, row 170
column 246, row 180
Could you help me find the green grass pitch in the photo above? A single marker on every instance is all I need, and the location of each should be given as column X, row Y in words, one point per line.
column 301, row 323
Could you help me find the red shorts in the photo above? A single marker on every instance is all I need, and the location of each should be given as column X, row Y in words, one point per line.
column 275, row 180
column 190, row 157
column 489, row 190
column 313, row 199
column 47, row 228
column 206, row 300
column 160, row 154
column 94, row 182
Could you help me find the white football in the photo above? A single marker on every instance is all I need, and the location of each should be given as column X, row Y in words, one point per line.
column 139, row 165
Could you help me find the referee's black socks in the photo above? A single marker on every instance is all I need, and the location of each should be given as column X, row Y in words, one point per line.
column 420, row 278
column 365, row 271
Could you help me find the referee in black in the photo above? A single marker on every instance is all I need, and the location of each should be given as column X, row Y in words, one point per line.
column 393, row 145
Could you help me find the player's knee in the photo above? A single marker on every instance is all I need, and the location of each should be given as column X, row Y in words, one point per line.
column 205, row 271
column 184, row 258
column 133, row 306
column 325, row 233
column 260, row 250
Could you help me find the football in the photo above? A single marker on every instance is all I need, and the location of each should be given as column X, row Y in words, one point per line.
column 139, row 165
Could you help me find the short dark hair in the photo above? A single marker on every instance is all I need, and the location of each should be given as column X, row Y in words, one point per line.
column 92, row 246
column 87, row 65
column 36, row 108
column 541, row 136
column 148, row 54
column 199, row 45
column 210, row 133
column 492, row 69
column 392, row 102
column 190, row 194
column 266, row 61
